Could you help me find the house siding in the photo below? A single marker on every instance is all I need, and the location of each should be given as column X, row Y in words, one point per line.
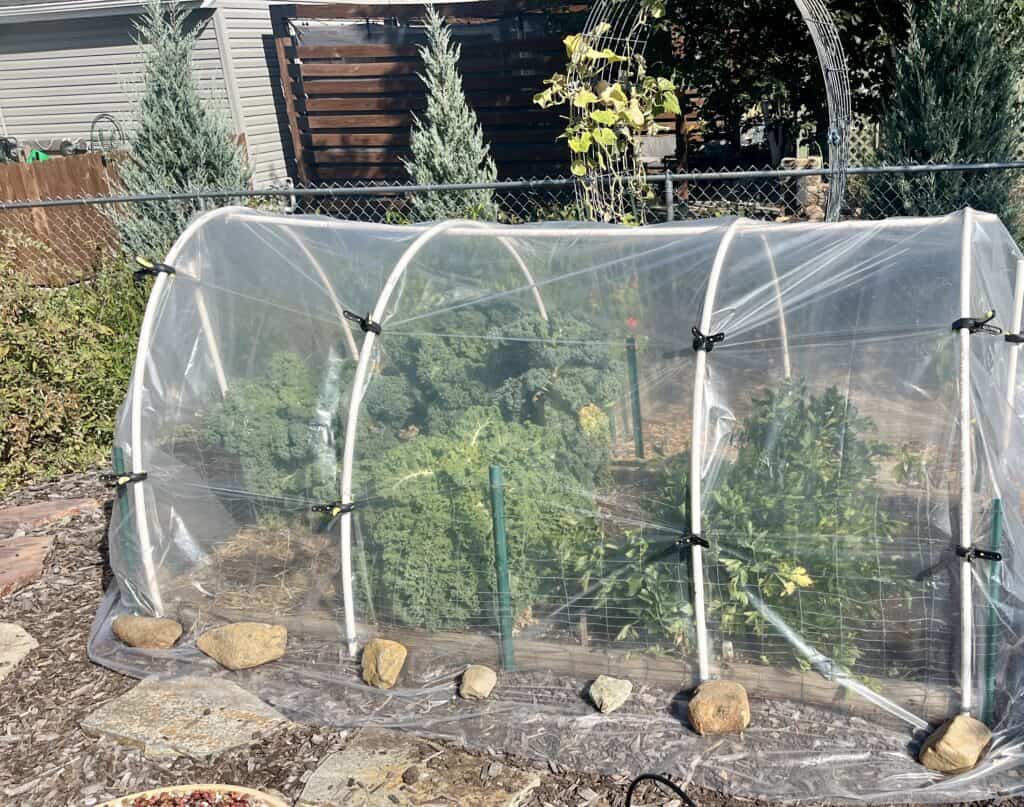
column 59, row 75
column 251, row 45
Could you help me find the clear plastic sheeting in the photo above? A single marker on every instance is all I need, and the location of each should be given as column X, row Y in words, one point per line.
column 726, row 449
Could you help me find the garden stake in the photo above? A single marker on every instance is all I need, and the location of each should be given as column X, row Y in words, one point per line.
column 124, row 507
column 508, row 661
column 992, row 634
column 634, row 391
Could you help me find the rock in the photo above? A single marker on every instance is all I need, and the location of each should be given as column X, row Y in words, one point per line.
column 196, row 716
column 32, row 516
column 608, row 693
column 719, row 707
column 956, row 745
column 477, row 682
column 382, row 662
column 411, row 775
column 146, row 631
column 22, row 560
column 814, row 213
column 387, row 769
column 15, row 644
column 242, row 645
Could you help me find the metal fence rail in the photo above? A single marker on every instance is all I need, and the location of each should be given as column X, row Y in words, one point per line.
column 57, row 240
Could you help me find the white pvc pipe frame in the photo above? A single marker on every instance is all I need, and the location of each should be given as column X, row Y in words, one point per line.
column 698, row 424
column 966, row 473
column 360, row 381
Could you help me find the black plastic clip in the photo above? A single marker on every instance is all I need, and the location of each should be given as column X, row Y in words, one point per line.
column 334, row 508
column 147, row 267
column 120, row 480
column 972, row 552
column 705, row 342
column 367, row 324
column 1014, row 338
column 978, row 324
column 693, row 540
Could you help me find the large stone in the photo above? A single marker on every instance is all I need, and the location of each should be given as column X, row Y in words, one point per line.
column 242, row 645
column 719, row 707
column 146, row 631
column 608, row 693
column 477, row 682
column 22, row 560
column 15, row 644
column 32, row 516
column 956, row 745
column 382, row 662
column 195, row 716
column 388, row 769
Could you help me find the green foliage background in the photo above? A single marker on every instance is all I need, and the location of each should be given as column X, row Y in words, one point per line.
column 439, row 410
column 65, row 359
column 179, row 142
column 957, row 100
column 447, row 143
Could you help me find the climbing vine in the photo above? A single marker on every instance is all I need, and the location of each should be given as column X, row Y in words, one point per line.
column 605, row 138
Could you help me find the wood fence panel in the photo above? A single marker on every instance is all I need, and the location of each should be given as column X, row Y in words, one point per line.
column 350, row 103
column 54, row 246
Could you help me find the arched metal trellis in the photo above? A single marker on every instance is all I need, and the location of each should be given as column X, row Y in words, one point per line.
column 622, row 27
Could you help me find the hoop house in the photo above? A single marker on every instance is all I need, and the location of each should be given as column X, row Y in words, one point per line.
column 666, row 454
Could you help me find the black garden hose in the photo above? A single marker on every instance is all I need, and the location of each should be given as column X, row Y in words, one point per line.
column 661, row 780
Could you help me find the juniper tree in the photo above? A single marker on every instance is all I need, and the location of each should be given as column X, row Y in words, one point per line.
column 178, row 142
column 956, row 100
column 447, row 142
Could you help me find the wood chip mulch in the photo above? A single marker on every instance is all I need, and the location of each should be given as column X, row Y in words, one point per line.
column 46, row 760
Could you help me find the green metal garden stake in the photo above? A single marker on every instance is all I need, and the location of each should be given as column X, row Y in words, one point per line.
column 988, row 710
column 508, row 661
column 128, row 541
column 634, row 392
column 122, row 499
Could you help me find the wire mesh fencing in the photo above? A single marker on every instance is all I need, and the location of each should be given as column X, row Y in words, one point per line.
column 60, row 240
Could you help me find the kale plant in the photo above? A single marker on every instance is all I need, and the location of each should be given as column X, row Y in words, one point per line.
column 428, row 529
column 264, row 425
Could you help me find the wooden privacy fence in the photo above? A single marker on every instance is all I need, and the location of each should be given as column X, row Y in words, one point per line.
column 350, row 85
column 54, row 246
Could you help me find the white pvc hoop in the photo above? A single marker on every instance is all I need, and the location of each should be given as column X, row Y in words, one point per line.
column 966, row 473
column 135, row 418
column 697, row 454
column 359, row 383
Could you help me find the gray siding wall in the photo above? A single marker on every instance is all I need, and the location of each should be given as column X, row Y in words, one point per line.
column 56, row 77
column 251, row 46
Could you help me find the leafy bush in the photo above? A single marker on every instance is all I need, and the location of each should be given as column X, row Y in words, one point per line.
column 437, row 411
column 447, row 142
column 65, row 359
column 429, row 527
column 264, row 424
column 797, row 509
column 179, row 141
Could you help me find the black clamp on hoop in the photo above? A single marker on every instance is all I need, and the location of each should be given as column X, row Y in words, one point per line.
column 705, row 342
column 1014, row 338
column 334, row 508
column 978, row 324
column 972, row 552
column 120, row 480
column 147, row 267
column 693, row 540
column 367, row 324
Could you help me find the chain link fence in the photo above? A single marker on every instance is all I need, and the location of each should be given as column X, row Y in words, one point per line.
column 60, row 240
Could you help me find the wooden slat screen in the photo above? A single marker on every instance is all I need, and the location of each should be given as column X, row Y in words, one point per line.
column 351, row 104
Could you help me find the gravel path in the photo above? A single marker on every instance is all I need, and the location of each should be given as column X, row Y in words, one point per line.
column 46, row 760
